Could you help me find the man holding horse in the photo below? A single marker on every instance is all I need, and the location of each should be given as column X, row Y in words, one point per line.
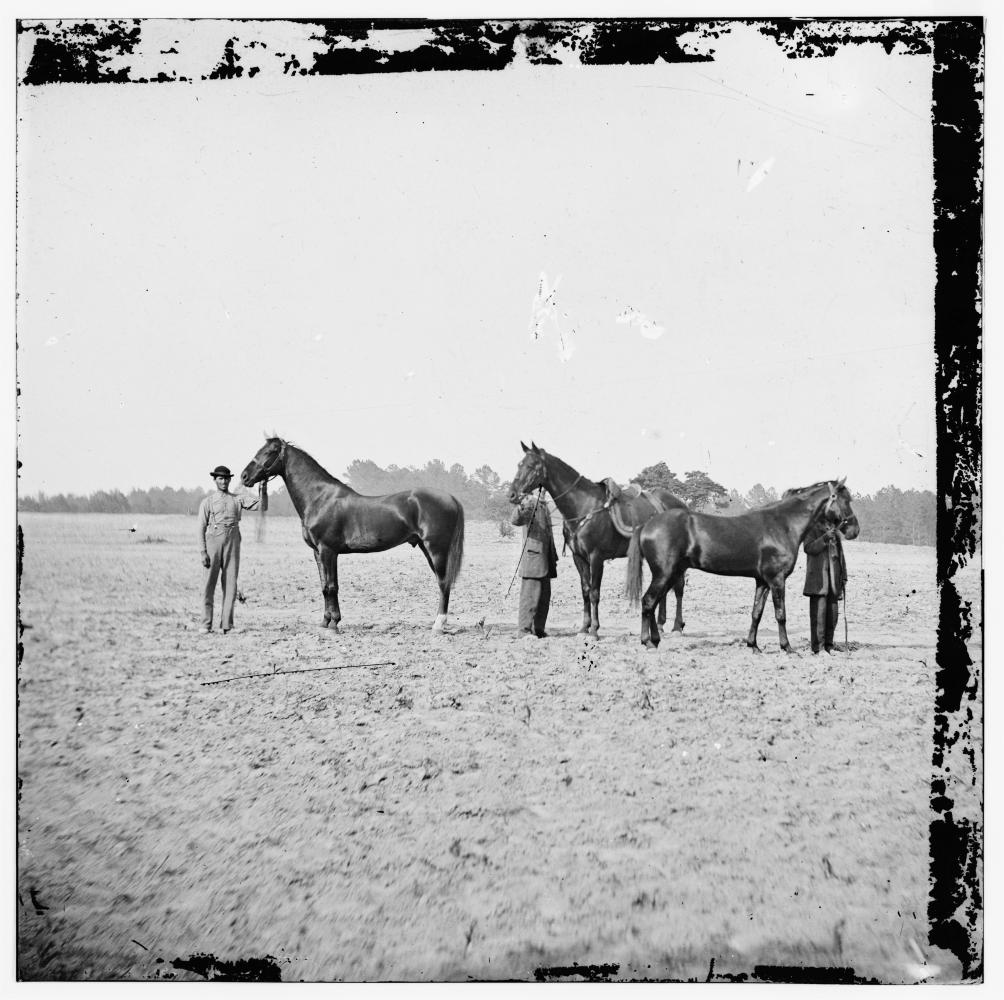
column 538, row 564
column 220, row 541
column 825, row 579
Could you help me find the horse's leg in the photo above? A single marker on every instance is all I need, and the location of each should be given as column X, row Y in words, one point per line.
column 678, row 590
column 332, row 613
column 582, row 565
column 777, row 592
column 595, row 580
column 437, row 562
column 759, row 600
column 320, row 573
column 656, row 592
column 662, row 612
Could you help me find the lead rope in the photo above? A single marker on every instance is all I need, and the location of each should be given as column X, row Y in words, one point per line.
column 536, row 502
column 481, row 624
column 262, row 510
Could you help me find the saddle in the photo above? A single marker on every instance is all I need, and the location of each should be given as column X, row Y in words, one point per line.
column 630, row 506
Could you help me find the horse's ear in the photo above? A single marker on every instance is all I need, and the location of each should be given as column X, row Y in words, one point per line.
column 524, row 447
column 842, row 481
column 533, row 445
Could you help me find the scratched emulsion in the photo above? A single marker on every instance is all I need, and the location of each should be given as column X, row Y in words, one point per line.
column 184, row 51
column 116, row 51
column 955, row 909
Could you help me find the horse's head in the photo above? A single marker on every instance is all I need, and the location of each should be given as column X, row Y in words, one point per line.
column 530, row 473
column 269, row 461
column 839, row 512
column 831, row 500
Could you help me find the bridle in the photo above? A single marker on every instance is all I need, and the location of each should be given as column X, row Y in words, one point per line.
column 279, row 460
column 831, row 500
column 555, row 497
column 540, row 485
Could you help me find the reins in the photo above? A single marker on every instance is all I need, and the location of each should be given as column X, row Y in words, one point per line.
column 569, row 490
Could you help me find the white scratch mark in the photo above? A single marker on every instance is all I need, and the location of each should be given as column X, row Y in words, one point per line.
column 646, row 327
column 899, row 435
column 545, row 309
column 760, row 173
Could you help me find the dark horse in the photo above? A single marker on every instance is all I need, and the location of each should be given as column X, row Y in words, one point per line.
column 338, row 520
column 762, row 544
column 588, row 525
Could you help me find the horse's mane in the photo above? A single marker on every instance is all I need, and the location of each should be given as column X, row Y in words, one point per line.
column 805, row 489
column 313, row 461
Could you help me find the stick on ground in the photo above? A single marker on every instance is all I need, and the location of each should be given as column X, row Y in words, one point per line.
column 304, row 670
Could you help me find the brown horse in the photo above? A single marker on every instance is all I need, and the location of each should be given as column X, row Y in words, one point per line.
column 337, row 520
column 588, row 526
column 762, row 544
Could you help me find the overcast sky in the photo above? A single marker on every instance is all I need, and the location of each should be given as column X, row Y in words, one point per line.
column 741, row 249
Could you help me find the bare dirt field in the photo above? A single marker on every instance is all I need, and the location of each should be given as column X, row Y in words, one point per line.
column 484, row 806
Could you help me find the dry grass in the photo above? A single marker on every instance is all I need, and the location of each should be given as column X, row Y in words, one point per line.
column 483, row 807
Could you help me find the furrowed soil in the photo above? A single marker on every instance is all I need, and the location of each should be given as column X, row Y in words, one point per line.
column 468, row 805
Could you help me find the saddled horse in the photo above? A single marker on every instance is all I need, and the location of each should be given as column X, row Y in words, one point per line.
column 762, row 544
column 337, row 520
column 590, row 524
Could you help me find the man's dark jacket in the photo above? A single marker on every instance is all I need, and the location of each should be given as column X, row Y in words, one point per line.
column 540, row 557
column 825, row 569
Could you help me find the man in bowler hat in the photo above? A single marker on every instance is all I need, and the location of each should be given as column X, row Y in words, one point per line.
column 220, row 541
column 538, row 565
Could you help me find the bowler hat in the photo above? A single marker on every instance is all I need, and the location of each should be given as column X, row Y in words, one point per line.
column 221, row 470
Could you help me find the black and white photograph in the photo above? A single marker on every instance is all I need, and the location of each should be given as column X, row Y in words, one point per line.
column 499, row 499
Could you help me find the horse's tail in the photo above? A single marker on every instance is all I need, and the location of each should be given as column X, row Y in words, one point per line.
column 632, row 587
column 455, row 557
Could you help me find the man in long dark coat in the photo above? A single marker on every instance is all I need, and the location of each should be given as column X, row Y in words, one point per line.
column 825, row 579
column 538, row 565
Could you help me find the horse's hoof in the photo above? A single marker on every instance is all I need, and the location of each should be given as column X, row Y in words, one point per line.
column 753, row 647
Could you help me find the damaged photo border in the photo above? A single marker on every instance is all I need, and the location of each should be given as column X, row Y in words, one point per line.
column 110, row 51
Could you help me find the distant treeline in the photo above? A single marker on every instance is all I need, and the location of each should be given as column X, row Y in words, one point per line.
column 905, row 517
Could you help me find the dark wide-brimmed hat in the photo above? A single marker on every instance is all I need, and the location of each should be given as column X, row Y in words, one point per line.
column 221, row 470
